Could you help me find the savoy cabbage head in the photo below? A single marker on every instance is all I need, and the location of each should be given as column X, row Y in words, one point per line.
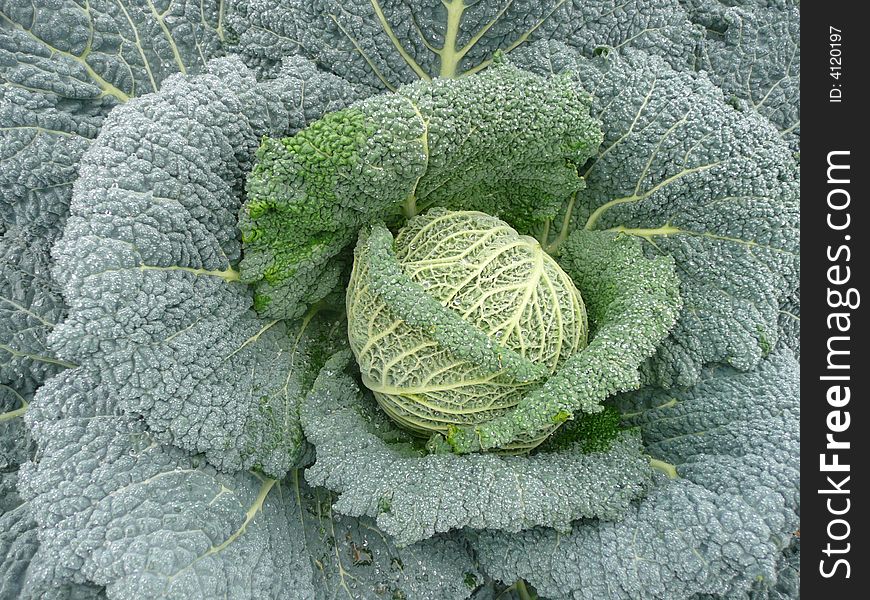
column 399, row 299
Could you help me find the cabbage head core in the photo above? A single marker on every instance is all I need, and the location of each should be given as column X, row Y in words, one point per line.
column 500, row 282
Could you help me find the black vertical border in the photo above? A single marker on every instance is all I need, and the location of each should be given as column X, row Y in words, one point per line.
column 826, row 127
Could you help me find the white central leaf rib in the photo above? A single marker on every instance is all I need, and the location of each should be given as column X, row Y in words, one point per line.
column 253, row 339
column 228, row 274
column 37, row 357
column 13, row 414
column 534, row 280
column 668, row 230
column 450, row 54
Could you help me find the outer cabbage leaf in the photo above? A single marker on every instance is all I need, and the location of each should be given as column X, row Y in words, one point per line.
column 386, row 43
column 22, row 578
column 353, row 558
column 786, row 586
column 714, row 187
column 718, row 528
column 64, row 65
column 17, row 538
column 30, row 306
column 379, row 472
column 40, row 147
column 118, row 509
column 507, row 143
column 146, row 267
column 752, row 50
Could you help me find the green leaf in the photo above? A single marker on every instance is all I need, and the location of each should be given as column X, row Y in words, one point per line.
column 65, row 65
column 387, row 43
column 185, row 530
column 353, row 558
column 752, row 50
column 718, row 529
column 715, row 188
column 116, row 508
column 507, row 143
column 378, row 471
column 146, row 264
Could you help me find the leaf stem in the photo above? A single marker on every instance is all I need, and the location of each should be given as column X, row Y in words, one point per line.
column 523, row 591
column 409, row 208
column 544, row 236
column 38, row 357
column 553, row 248
column 12, row 414
column 665, row 467
column 669, row 404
